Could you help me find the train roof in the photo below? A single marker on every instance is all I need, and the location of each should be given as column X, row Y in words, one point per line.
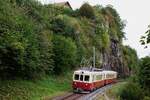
column 109, row 71
column 95, row 71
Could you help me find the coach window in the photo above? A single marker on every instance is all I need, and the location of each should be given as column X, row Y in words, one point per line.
column 81, row 77
column 99, row 77
column 93, row 78
column 86, row 78
column 76, row 77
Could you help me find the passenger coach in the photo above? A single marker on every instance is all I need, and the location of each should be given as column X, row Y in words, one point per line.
column 89, row 80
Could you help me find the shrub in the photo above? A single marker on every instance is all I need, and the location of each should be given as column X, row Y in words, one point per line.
column 64, row 54
column 45, row 48
column 12, row 51
column 105, row 39
column 68, row 11
column 65, row 25
column 146, row 98
column 130, row 58
column 87, row 11
column 131, row 91
column 144, row 74
column 25, row 51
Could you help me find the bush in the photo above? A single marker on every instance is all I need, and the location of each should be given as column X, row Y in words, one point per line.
column 65, row 25
column 130, row 58
column 146, row 98
column 45, row 48
column 144, row 74
column 12, row 51
column 87, row 11
column 25, row 51
column 65, row 54
column 131, row 91
column 105, row 40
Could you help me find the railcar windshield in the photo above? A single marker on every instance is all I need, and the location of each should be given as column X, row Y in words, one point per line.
column 81, row 77
column 76, row 77
column 86, row 78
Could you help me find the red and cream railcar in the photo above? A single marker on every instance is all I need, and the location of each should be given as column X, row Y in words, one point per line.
column 87, row 80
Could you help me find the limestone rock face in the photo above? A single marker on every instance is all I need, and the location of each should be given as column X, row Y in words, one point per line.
column 113, row 60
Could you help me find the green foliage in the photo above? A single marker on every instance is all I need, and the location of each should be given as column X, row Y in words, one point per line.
column 130, row 58
column 114, row 91
column 138, row 87
column 12, row 53
column 44, row 88
column 145, row 39
column 131, row 91
column 144, row 74
column 68, row 11
column 105, row 41
column 102, row 41
column 46, row 52
column 65, row 51
column 66, row 25
column 21, row 41
column 115, row 24
column 18, row 56
column 27, row 46
column 87, row 11
column 146, row 98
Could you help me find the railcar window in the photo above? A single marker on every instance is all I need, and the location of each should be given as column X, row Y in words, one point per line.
column 81, row 77
column 99, row 77
column 76, row 77
column 109, row 76
column 93, row 78
column 86, row 78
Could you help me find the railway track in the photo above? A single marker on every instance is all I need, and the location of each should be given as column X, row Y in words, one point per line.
column 93, row 95
column 70, row 96
column 74, row 96
column 81, row 96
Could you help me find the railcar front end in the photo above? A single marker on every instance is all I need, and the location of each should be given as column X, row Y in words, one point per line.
column 82, row 82
column 86, row 80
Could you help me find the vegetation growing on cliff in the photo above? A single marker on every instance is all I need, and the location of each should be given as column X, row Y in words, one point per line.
column 130, row 58
column 30, row 32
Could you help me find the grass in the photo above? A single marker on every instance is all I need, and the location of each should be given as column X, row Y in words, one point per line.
column 111, row 93
column 114, row 91
column 35, row 90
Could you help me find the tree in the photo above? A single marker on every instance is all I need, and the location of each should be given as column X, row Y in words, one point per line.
column 131, row 91
column 65, row 54
column 45, row 48
column 145, row 39
column 12, row 51
column 66, row 25
column 87, row 11
column 144, row 74
column 130, row 58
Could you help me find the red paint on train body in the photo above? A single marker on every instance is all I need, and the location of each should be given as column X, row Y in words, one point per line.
column 98, row 84
column 88, row 86
column 82, row 85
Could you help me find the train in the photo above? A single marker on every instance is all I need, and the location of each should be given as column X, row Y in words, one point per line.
column 90, row 80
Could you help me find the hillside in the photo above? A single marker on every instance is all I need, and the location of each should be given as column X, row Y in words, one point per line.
column 43, row 40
